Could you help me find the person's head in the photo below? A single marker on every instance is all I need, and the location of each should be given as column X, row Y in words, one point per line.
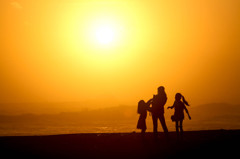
column 141, row 107
column 178, row 96
column 161, row 89
column 141, row 102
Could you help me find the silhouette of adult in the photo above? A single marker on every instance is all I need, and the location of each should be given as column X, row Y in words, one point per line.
column 158, row 103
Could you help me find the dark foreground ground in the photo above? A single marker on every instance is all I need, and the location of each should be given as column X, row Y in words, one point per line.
column 195, row 144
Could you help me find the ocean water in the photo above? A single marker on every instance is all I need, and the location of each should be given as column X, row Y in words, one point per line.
column 19, row 129
column 55, row 127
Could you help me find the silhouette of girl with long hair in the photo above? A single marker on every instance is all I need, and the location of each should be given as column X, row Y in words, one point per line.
column 178, row 116
column 142, row 110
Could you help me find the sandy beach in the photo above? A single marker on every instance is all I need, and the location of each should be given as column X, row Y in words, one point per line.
column 195, row 144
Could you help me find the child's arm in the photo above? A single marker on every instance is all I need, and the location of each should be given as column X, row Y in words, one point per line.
column 187, row 112
column 148, row 105
column 149, row 101
column 171, row 106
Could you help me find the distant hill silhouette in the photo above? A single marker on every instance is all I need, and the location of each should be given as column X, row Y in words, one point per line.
column 202, row 112
column 41, row 108
column 216, row 110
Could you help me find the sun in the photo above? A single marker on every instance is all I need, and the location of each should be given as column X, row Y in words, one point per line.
column 105, row 34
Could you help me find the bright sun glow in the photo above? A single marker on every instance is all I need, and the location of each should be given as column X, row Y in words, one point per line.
column 104, row 34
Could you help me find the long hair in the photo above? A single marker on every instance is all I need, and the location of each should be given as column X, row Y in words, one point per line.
column 184, row 100
column 141, row 105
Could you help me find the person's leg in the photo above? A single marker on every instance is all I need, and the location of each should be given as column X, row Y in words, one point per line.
column 155, row 124
column 177, row 130
column 177, row 127
column 163, row 123
column 181, row 127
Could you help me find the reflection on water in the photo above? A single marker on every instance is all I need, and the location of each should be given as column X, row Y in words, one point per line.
column 18, row 129
column 51, row 128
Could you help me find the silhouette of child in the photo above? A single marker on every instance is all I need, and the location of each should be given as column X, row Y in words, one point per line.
column 142, row 110
column 178, row 116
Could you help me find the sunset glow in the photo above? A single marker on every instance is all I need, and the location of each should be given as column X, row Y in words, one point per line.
column 107, row 53
column 104, row 34
column 119, row 78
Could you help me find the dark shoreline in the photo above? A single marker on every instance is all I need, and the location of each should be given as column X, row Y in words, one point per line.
column 121, row 133
column 195, row 144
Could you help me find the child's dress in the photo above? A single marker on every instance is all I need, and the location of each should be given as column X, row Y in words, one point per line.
column 142, row 120
column 179, row 108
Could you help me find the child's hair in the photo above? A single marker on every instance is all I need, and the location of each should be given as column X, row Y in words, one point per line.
column 141, row 105
column 184, row 101
column 179, row 96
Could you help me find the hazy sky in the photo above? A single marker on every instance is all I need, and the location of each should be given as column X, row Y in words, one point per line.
column 50, row 51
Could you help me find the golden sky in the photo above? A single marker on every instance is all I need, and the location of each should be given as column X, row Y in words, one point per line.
column 50, row 50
